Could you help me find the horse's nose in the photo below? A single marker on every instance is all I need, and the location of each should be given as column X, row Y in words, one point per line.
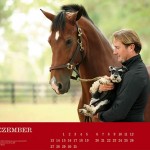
column 54, row 85
column 59, row 87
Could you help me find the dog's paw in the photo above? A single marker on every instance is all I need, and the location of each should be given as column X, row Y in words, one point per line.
column 85, row 112
column 90, row 109
column 82, row 111
column 94, row 87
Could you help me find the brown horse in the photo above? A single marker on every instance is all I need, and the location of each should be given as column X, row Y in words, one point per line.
column 77, row 45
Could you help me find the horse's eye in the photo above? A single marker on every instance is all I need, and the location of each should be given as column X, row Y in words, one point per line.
column 68, row 42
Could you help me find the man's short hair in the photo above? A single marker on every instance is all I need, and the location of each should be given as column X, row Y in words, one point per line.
column 128, row 37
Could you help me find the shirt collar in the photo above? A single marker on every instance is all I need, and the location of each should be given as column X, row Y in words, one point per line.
column 133, row 59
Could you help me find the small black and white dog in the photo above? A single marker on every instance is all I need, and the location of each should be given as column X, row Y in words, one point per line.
column 102, row 100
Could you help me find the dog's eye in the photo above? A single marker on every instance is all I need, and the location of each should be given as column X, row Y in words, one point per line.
column 120, row 71
column 112, row 71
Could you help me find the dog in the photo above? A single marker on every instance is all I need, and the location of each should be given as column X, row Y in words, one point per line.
column 101, row 101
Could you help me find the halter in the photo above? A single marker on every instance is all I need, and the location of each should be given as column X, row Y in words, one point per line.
column 70, row 65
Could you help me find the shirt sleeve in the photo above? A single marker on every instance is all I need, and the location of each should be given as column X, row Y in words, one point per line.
column 126, row 97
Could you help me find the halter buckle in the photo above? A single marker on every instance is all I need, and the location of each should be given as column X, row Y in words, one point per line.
column 79, row 32
column 81, row 46
column 69, row 66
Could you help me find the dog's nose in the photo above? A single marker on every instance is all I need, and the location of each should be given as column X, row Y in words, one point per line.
column 115, row 76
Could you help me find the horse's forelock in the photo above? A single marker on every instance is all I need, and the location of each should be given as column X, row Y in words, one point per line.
column 59, row 22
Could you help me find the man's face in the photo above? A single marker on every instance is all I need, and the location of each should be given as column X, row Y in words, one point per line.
column 121, row 51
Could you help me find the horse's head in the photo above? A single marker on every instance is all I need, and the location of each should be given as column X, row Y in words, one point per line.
column 65, row 41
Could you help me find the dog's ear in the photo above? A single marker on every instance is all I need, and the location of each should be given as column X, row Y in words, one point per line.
column 110, row 68
column 124, row 69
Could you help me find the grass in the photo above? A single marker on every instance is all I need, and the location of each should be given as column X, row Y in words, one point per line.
column 39, row 112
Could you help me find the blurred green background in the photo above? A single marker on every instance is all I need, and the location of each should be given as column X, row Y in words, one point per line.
column 25, row 54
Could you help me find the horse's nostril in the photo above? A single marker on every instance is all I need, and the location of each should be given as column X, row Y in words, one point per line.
column 59, row 86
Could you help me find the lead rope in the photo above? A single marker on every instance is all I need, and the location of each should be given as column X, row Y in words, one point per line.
column 88, row 80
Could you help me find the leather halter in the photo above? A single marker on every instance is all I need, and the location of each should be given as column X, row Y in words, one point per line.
column 70, row 65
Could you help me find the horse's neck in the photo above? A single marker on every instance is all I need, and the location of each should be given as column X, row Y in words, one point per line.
column 98, row 54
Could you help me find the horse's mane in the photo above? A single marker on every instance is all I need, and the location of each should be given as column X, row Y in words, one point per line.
column 60, row 20
column 75, row 7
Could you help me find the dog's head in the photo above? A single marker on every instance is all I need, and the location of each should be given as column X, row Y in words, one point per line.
column 117, row 73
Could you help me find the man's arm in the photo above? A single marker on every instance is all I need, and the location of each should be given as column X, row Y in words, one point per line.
column 125, row 99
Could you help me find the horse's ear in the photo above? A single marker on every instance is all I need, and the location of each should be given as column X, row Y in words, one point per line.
column 75, row 16
column 48, row 15
column 79, row 14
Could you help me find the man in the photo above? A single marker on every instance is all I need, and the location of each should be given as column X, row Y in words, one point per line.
column 131, row 93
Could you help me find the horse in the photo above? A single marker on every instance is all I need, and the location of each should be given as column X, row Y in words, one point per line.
column 77, row 45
